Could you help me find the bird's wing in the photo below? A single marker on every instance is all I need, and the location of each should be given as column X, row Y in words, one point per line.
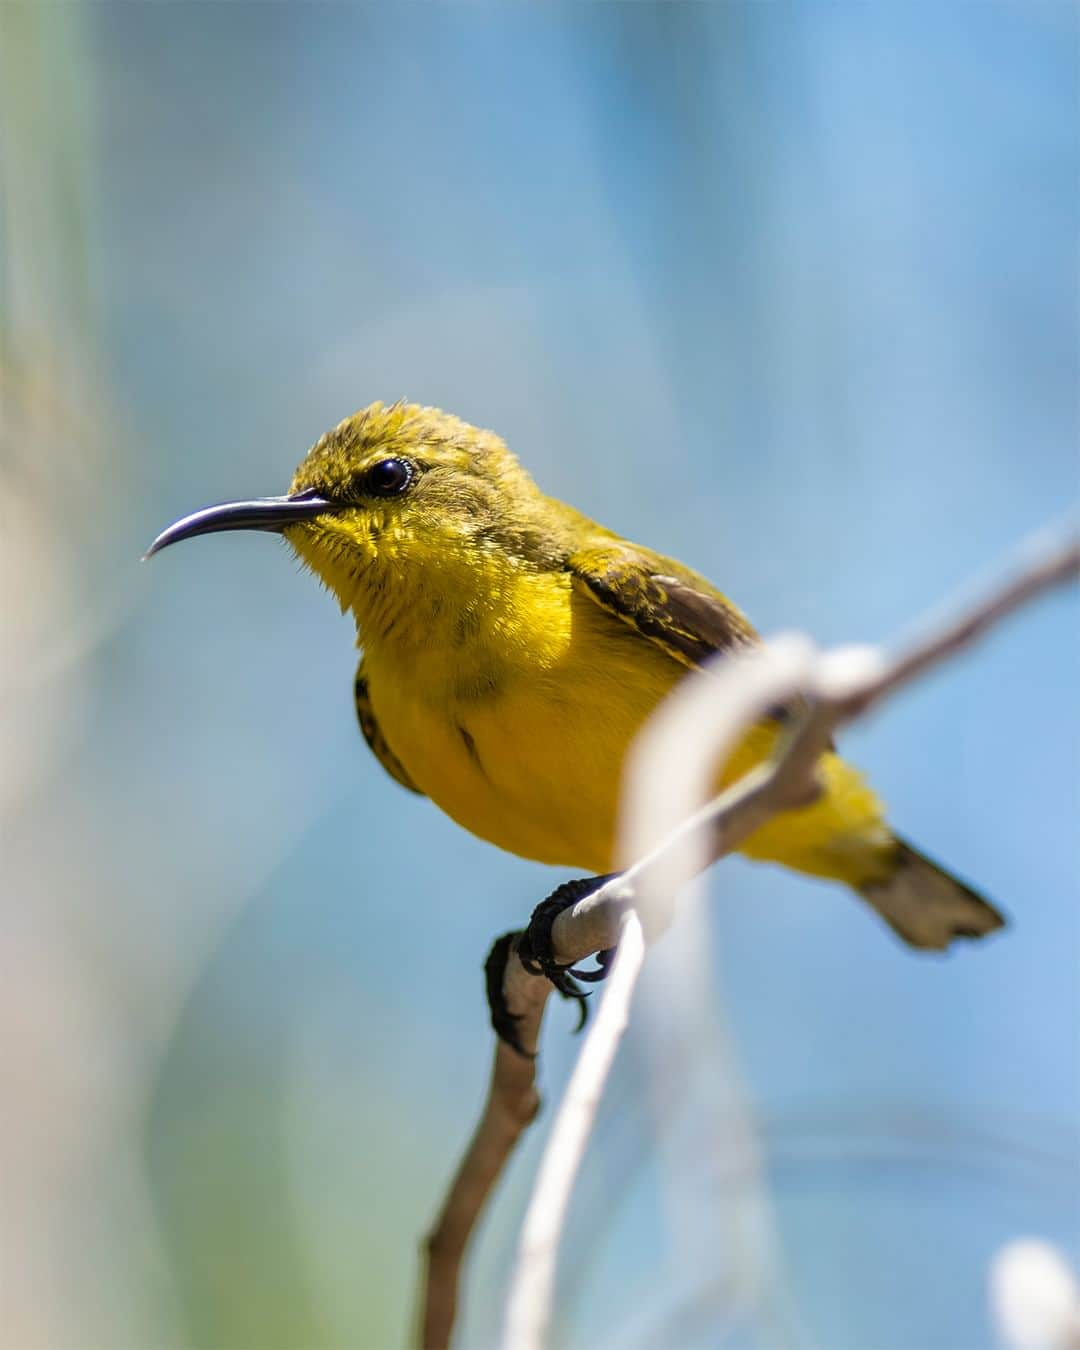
column 369, row 725
column 664, row 602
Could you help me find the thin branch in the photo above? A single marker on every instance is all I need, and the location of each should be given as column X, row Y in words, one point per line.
column 673, row 837
column 1052, row 562
column 853, row 680
column 511, row 1106
column 676, row 758
column 528, row 1312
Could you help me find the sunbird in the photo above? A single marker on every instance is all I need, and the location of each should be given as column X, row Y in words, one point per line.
column 511, row 650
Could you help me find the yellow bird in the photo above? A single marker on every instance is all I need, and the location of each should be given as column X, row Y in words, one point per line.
column 512, row 649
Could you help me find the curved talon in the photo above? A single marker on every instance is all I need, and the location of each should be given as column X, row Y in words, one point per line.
column 583, row 1011
column 568, row 989
column 603, row 967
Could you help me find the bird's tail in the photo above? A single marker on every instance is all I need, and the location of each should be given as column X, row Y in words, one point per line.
column 927, row 906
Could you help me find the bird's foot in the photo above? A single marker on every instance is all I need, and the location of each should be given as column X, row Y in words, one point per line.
column 503, row 1021
column 536, row 949
column 536, row 952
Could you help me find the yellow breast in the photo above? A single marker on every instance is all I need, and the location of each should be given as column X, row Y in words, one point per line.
column 522, row 741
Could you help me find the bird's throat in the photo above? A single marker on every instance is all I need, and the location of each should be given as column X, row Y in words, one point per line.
column 460, row 616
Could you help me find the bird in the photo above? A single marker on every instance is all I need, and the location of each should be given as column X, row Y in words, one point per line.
column 512, row 649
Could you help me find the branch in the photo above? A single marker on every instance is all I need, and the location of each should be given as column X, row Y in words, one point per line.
column 673, row 837
column 511, row 1106
column 850, row 681
column 528, row 1311
column 669, row 772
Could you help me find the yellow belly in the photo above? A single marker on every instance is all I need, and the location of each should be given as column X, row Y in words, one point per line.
column 533, row 764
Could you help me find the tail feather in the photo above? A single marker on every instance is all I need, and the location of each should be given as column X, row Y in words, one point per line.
column 926, row 906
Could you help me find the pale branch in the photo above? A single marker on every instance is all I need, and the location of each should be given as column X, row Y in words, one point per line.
column 1051, row 562
column 669, row 773
column 851, row 680
column 673, row 838
column 528, row 1310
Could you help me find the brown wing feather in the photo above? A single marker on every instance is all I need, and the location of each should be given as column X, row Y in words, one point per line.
column 365, row 715
column 682, row 614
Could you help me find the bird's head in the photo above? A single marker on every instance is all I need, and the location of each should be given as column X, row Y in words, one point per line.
column 387, row 496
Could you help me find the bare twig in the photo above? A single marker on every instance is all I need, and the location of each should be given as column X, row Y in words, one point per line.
column 853, row 680
column 528, row 1312
column 673, row 837
column 669, row 774
column 511, row 1106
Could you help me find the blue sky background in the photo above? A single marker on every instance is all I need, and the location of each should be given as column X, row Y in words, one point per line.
column 789, row 291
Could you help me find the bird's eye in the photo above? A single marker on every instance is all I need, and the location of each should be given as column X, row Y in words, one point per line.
column 389, row 477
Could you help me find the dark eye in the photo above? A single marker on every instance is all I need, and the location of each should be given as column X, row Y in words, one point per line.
column 389, row 477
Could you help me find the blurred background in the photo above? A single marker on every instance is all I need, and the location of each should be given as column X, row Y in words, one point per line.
column 787, row 290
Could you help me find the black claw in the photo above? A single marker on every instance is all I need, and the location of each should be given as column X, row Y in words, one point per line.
column 503, row 1021
column 603, row 967
column 536, row 948
column 567, row 988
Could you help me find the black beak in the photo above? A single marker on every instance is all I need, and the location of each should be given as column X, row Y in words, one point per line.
column 264, row 513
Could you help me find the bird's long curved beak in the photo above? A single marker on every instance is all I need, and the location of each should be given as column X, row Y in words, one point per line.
column 263, row 513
